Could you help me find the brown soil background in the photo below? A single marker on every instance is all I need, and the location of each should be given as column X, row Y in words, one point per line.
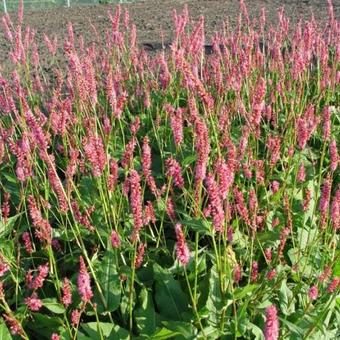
column 153, row 18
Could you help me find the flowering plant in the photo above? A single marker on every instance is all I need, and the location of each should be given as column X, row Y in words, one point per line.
column 174, row 195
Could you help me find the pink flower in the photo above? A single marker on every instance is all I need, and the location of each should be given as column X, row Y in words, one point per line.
column 75, row 317
column 55, row 336
column 306, row 201
column 182, row 250
column 136, row 203
column 271, row 331
column 95, row 153
column 13, row 324
column 254, row 271
column 301, row 175
column 273, row 146
column 252, row 201
column 283, row 239
column 66, row 299
column 84, row 282
column 2, row 293
column 268, row 254
column 271, row 274
column 149, row 214
column 4, row 266
column 225, row 175
column 113, row 177
column 33, row 302
column 176, row 122
column 146, row 157
column 128, row 153
column 27, row 242
column 83, row 219
column 230, row 233
column 115, row 240
column 275, row 186
column 313, row 292
column 173, row 169
column 257, row 101
column 146, row 166
column 306, row 126
column 43, row 230
column 333, row 285
column 324, row 276
column 38, row 282
column 170, row 209
column 57, row 185
column 240, row 205
column 333, row 151
column 237, row 273
column 56, row 245
column 202, row 147
column 5, row 207
column 135, row 125
column 215, row 203
column 140, row 255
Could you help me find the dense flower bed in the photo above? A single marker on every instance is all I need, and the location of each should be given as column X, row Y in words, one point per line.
column 174, row 195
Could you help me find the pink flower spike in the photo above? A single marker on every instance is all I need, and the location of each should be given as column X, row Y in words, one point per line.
column 271, row 331
column 254, row 271
column 313, row 293
column 38, row 282
column 67, row 293
column 140, row 255
column 333, row 152
column 115, row 240
column 136, row 203
column 333, row 285
column 13, row 324
column 33, row 302
column 75, row 317
column 84, row 282
column 182, row 250
column 301, row 176
column 173, row 169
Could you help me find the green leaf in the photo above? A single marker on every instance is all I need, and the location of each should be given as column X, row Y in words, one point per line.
column 183, row 328
column 336, row 270
column 88, row 190
column 163, row 334
column 199, row 225
column 110, row 284
column 257, row 331
column 6, row 228
column 293, row 328
column 44, row 325
column 108, row 330
column 214, row 301
column 53, row 305
column 211, row 333
column 4, row 332
column 170, row 299
column 306, row 237
column 188, row 160
column 243, row 291
column 145, row 315
column 287, row 300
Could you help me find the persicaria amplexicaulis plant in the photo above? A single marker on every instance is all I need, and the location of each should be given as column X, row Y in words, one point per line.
column 191, row 192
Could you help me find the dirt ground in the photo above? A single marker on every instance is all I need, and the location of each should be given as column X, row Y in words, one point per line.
column 153, row 18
